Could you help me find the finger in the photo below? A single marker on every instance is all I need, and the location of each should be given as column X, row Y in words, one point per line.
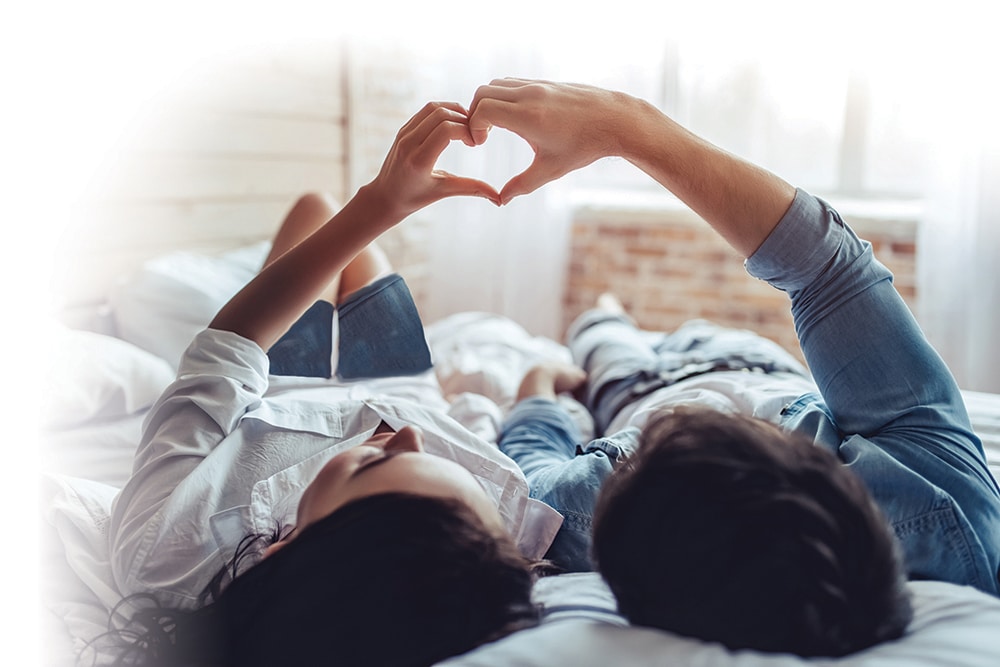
column 437, row 116
column 505, row 91
column 515, row 82
column 438, row 139
column 416, row 140
column 426, row 111
column 450, row 185
column 500, row 89
column 509, row 89
column 529, row 180
column 509, row 82
column 489, row 113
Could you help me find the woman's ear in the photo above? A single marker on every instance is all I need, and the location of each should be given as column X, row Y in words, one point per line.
column 274, row 548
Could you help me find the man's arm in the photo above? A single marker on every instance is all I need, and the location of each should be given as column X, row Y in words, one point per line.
column 570, row 126
column 896, row 410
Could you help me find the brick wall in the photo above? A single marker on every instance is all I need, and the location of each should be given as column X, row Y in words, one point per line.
column 669, row 266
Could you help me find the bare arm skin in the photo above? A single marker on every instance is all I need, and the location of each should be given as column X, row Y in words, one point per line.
column 570, row 126
column 264, row 309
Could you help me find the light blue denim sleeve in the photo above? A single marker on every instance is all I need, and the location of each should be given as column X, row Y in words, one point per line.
column 889, row 406
column 543, row 439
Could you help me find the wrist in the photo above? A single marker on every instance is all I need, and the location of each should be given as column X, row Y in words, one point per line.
column 643, row 129
column 381, row 209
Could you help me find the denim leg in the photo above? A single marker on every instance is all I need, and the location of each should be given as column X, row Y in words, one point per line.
column 305, row 349
column 381, row 334
column 618, row 358
column 899, row 413
column 543, row 440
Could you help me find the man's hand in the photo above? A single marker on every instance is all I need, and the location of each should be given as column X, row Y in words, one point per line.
column 567, row 125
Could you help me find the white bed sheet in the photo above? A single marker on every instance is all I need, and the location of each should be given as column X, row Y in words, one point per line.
column 479, row 359
column 952, row 626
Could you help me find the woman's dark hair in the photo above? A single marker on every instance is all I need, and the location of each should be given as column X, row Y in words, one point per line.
column 391, row 579
column 729, row 529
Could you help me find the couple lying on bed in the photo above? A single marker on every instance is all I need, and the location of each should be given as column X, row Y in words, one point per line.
column 730, row 496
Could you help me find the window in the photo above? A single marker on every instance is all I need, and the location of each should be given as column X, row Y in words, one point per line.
column 824, row 123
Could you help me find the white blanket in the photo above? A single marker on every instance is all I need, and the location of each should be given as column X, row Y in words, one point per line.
column 102, row 386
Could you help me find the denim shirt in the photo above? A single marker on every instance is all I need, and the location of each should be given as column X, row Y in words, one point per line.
column 885, row 404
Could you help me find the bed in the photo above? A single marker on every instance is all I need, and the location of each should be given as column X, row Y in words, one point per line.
column 115, row 358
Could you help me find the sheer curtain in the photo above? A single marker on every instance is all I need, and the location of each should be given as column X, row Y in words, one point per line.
column 513, row 260
column 509, row 260
column 869, row 107
column 959, row 245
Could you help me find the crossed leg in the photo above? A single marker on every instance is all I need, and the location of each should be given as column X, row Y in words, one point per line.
column 308, row 214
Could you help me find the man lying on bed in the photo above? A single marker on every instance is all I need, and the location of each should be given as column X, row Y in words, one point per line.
column 411, row 539
column 748, row 520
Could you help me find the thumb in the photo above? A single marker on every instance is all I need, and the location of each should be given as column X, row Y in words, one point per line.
column 450, row 185
column 529, row 180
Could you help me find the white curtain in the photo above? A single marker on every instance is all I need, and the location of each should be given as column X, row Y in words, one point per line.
column 509, row 260
column 959, row 245
column 858, row 108
column 513, row 260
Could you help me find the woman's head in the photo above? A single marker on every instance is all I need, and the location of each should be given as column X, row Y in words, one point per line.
column 398, row 558
column 391, row 462
column 389, row 579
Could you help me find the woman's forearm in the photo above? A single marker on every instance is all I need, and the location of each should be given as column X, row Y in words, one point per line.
column 264, row 309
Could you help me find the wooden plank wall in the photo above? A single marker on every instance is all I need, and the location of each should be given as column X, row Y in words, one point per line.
column 215, row 165
column 385, row 87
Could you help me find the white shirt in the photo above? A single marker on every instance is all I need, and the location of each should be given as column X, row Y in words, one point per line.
column 748, row 393
column 219, row 460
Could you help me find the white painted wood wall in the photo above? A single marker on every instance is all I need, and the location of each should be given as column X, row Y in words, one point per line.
column 217, row 161
column 215, row 166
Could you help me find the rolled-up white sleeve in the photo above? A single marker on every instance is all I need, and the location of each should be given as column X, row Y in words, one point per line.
column 221, row 377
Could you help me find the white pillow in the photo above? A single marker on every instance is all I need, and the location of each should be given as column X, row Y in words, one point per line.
column 93, row 377
column 952, row 625
column 171, row 298
column 78, row 587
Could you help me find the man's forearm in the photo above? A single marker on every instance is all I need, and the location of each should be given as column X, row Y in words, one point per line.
column 740, row 200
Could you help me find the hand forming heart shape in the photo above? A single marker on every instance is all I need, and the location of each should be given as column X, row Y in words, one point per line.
column 506, row 156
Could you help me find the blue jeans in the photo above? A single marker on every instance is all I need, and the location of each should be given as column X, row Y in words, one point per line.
column 885, row 404
column 380, row 335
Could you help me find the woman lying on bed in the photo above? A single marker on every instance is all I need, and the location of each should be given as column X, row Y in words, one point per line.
column 362, row 528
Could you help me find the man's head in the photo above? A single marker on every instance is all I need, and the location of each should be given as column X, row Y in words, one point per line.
column 728, row 529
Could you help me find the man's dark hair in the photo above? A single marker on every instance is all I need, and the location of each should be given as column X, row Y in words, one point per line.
column 390, row 579
column 729, row 529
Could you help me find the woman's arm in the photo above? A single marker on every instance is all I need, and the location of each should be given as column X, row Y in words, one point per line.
column 224, row 374
column 264, row 309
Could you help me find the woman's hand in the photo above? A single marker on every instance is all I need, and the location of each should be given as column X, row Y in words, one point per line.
column 408, row 181
column 264, row 309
